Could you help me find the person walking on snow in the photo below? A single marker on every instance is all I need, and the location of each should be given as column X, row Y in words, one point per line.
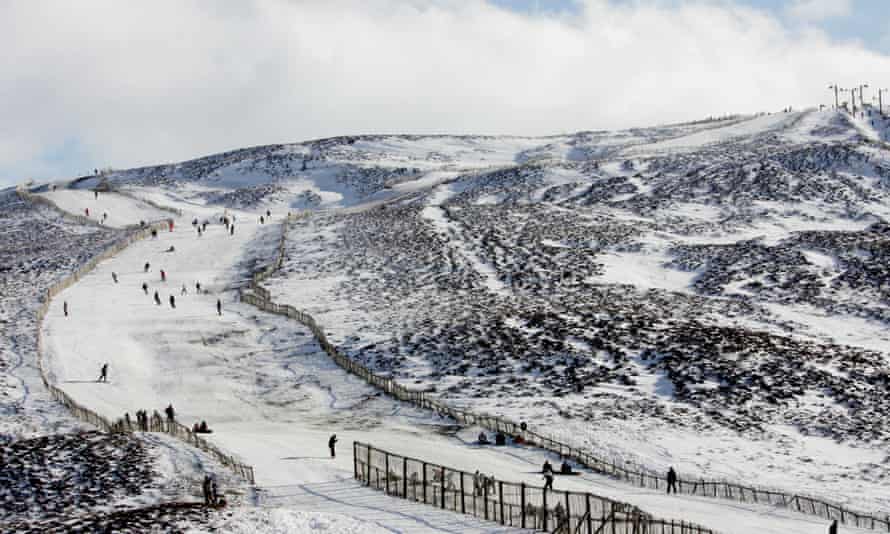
column 157, row 298
column 171, row 415
column 145, row 287
column 184, row 290
column 672, row 480
column 114, row 277
column 87, row 211
column 65, row 308
column 218, row 307
column 147, row 266
column 205, row 488
column 163, row 276
column 198, row 287
column 332, row 442
column 103, row 374
column 172, row 302
column 232, row 230
column 548, row 479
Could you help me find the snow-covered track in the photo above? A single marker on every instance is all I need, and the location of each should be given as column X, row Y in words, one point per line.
column 135, row 233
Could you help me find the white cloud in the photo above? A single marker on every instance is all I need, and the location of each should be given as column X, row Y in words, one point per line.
column 140, row 83
column 816, row 10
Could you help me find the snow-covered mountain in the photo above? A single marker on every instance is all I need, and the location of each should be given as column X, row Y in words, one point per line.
column 712, row 296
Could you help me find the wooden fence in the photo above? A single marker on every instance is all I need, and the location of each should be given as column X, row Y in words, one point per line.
column 134, row 233
column 508, row 503
column 520, row 432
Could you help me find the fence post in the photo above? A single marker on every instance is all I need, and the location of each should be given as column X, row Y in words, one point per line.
column 463, row 503
column 544, row 508
column 355, row 460
column 424, row 483
column 442, row 485
column 485, row 499
column 405, row 477
column 501, row 499
column 369, row 465
column 386, row 472
column 522, row 503
column 587, row 512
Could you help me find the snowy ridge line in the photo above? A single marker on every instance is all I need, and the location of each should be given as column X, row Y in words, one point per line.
column 82, row 412
column 636, row 475
column 508, row 503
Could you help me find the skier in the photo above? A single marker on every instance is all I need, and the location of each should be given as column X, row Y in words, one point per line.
column 184, row 290
column 114, row 276
column 157, row 298
column 145, row 287
column 103, row 374
column 163, row 276
column 268, row 214
column 154, row 233
column 218, row 307
column 198, row 287
column 262, row 221
column 172, row 301
column 548, row 479
column 65, row 308
column 331, row 443
column 147, row 266
column 214, row 494
column 232, row 230
column 833, row 528
column 104, row 216
column 205, row 487
column 171, row 414
column 170, row 224
column 672, row 480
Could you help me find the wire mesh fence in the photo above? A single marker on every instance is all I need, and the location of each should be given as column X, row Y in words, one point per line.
column 508, row 503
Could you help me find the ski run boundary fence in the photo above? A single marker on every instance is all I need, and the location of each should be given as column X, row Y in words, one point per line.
column 636, row 475
column 508, row 503
column 133, row 233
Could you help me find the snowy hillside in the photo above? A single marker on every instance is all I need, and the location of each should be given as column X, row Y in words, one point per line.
column 711, row 296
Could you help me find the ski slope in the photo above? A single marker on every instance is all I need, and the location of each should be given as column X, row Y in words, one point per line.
column 273, row 397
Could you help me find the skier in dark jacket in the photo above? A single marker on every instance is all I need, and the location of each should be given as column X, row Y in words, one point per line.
column 157, row 298
column 198, row 287
column 205, row 488
column 232, row 230
column 65, row 308
column 145, row 287
column 218, row 307
column 332, row 442
column 163, row 276
column 672, row 480
column 103, row 374
column 114, row 277
column 147, row 266
column 171, row 414
column 172, row 301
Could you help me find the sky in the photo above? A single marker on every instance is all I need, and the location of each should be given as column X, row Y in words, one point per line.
column 101, row 83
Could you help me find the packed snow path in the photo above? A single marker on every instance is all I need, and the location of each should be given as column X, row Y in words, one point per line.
column 273, row 397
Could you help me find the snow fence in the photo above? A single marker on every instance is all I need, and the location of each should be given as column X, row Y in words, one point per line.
column 521, row 433
column 508, row 503
column 134, row 233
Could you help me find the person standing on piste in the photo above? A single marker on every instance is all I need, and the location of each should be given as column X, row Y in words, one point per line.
column 332, row 442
